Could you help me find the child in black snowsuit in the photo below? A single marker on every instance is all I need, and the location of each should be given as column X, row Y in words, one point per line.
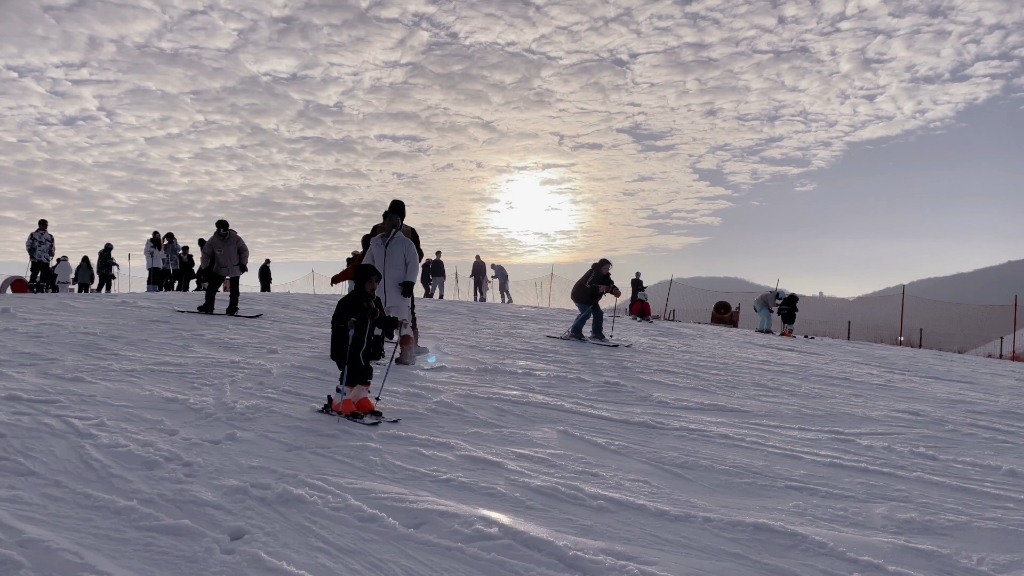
column 356, row 328
column 787, row 311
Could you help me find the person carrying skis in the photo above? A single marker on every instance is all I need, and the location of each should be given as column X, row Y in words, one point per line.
column 64, row 271
column 479, row 276
column 437, row 276
column 426, row 280
column 264, row 276
column 502, row 277
column 84, row 275
column 105, row 264
column 358, row 318
column 636, row 286
column 641, row 309
column 225, row 258
column 395, row 257
column 763, row 307
column 41, row 248
column 787, row 312
column 587, row 294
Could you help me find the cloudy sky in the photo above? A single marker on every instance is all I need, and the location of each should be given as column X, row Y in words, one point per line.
column 841, row 145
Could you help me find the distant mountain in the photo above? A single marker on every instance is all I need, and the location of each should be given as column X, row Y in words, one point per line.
column 992, row 285
column 722, row 284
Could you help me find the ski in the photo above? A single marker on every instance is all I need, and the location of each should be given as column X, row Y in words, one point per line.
column 364, row 420
column 597, row 342
column 218, row 314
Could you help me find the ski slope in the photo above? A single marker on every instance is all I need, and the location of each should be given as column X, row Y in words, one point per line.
column 135, row 440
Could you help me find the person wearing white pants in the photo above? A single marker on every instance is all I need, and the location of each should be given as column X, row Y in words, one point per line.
column 64, row 272
column 395, row 257
column 763, row 306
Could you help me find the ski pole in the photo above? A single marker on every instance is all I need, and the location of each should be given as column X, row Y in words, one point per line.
column 344, row 373
column 388, row 369
column 614, row 312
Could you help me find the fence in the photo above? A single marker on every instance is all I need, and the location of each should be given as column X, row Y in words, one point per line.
column 992, row 331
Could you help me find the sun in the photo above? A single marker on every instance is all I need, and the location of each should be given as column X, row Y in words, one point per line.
column 534, row 208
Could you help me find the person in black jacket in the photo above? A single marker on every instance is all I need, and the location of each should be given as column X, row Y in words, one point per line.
column 787, row 312
column 358, row 319
column 587, row 294
column 479, row 276
column 188, row 269
column 636, row 286
column 264, row 276
column 426, row 279
column 200, row 273
column 437, row 276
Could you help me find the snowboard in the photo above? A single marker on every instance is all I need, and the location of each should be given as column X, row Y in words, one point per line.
column 218, row 314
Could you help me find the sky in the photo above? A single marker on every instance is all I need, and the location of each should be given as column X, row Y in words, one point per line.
column 842, row 146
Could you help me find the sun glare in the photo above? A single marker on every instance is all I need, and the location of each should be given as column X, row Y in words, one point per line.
column 534, row 208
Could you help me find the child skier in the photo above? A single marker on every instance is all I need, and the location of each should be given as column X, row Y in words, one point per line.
column 787, row 311
column 358, row 317
column 641, row 309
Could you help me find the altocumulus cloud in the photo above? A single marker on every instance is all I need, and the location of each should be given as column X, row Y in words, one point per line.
column 298, row 120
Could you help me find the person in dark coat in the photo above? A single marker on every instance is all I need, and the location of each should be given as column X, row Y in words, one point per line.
column 437, row 276
column 264, row 276
column 587, row 294
column 357, row 318
column 426, row 279
column 41, row 249
column 84, row 275
column 105, row 265
column 787, row 312
column 225, row 258
column 636, row 286
column 188, row 269
column 200, row 273
column 479, row 276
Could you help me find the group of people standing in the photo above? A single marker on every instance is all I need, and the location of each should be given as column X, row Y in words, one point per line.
column 61, row 276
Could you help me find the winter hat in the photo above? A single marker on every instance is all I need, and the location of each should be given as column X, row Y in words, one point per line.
column 62, row 258
column 184, row 248
column 267, row 261
column 364, row 272
column 108, row 246
column 43, row 223
column 492, row 266
column 397, row 207
column 782, row 294
column 222, row 224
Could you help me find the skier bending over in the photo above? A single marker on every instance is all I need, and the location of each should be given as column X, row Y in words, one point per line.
column 763, row 306
column 587, row 294
column 641, row 309
column 358, row 317
column 501, row 275
column 787, row 311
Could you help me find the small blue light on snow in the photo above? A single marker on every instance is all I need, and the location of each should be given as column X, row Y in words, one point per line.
column 432, row 359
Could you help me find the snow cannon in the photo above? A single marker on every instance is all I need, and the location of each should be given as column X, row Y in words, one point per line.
column 16, row 284
column 722, row 314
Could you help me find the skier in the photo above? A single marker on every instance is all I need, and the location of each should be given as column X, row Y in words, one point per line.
column 351, row 261
column 172, row 262
column 587, row 294
column 188, row 269
column 479, row 276
column 426, row 280
column 201, row 282
column 396, row 259
column 787, row 312
column 264, row 276
column 502, row 276
column 84, row 275
column 64, row 272
column 105, row 264
column 154, row 251
column 763, row 307
column 41, row 248
column 636, row 286
column 225, row 257
column 358, row 318
column 641, row 309
column 437, row 275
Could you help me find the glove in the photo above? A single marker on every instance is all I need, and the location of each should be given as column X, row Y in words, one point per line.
column 615, row 292
column 407, row 287
column 243, row 268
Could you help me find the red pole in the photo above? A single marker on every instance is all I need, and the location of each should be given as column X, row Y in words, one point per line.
column 902, row 303
column 1013, row 353
column 664, row 315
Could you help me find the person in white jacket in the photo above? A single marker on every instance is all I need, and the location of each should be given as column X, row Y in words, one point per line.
column 763, row 307
column 396, row 258
column 64, row 271
column 154, row 262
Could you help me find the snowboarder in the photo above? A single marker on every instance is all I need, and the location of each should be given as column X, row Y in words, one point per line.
column 437, row 275
column 41, row 248
column 172, row 262
column 154, row 251
column 105, row 264
column 358, row 317
column 479, row 276
column 84, row 275
column 636, row 286
column 264, row 276
column 64, row 271
column 763, row 307
column 787, row 312
column 225, row 257
column 426, row 280
column 395, row 257
column 502, row 277
column 641, row 309
column 587, row 294
column 188, row 269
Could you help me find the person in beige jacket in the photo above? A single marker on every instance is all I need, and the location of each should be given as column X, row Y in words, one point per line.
column 225, row 256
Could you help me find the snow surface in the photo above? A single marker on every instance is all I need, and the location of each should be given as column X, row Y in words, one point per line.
column 135, row 440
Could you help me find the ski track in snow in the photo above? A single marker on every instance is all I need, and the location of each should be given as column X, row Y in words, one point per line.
column 135, row 440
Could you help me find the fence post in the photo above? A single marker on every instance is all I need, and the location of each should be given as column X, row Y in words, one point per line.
column 1000, row 347
column 848, row 330
column 313, row 274
column 920, row 338
column 551, row 283
column 903, row 301
column 665, row 312
column 458, row 295
column 1013, row 353
column 129, row 273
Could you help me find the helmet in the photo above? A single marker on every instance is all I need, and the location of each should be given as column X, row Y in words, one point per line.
column 782, row 294
column 642, row 296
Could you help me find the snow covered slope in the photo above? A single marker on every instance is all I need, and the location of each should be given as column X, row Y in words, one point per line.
column 135, row 440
